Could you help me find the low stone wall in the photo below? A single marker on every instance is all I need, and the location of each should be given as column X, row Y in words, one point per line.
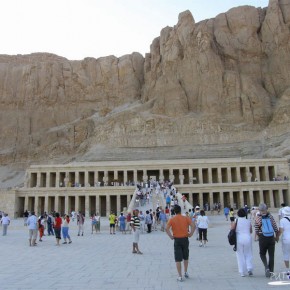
column 8, row 203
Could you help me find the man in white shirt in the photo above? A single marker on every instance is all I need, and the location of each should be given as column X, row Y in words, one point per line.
column 33, row 229
column 5, row 221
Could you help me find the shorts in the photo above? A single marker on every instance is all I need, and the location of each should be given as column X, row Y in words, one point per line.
column 136, row 235
column 33, row 234
column 181, row 250
column 112, row 225
column 57, row 232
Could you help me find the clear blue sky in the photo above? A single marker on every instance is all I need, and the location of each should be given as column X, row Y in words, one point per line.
column 76, row 29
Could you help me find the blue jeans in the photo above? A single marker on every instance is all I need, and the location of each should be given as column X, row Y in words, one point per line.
column 65, row 233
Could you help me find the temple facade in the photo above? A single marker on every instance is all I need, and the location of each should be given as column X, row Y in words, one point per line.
column 105, row 186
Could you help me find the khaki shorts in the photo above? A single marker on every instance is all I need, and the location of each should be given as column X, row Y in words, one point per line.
column 33, row 234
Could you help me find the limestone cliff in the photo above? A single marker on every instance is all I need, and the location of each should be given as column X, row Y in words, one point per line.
column 217, row 88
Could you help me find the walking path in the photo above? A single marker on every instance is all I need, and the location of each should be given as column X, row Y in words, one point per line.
column 104, row 261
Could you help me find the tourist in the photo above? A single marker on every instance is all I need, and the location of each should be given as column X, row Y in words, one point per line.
column 98, row 225
column 202, row 225
column 142, row 222
column 5, row 222
column 50, row 221
column 226, row 213
column 148, row 221
column 57, row 228
column 280, row 213
column 80, row 223
column 154, row 222
column 93, row 223
column 32, row 227
column 25, row 217
column 285, row 231
column 266, row 238
column 177, row 228
column 195, row 216
column 128, row 222
column 244, row 243
column 163, row 219
column 232, row 215
column 40, row 227
column 122, row 221
column 135, row 225
column 112, row 221
column 65, row 228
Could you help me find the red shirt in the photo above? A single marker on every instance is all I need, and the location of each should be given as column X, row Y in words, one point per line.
column 57, row 223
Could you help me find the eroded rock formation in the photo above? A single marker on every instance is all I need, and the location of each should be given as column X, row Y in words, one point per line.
column 217, row 88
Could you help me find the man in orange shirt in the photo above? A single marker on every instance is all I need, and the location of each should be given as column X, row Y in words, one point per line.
column 180, row 228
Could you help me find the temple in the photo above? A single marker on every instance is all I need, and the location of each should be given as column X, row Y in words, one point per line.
column 109, row 186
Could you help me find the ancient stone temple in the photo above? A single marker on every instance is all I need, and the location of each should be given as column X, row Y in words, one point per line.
column 105, row 186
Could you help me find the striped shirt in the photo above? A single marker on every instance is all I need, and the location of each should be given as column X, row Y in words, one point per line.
column 258, row 224
column 135, row 221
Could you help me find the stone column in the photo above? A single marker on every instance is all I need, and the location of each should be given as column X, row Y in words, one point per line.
column 98, row 204
column 219, row 171
column 125, row 177
column 239, row 174
column 36, row 205
column 258, row 173
column 47, row 179
column 108, row 205
column 241, row 194
column 171, row 175
column 66, row 204
column 229, row 173
column 87, row 205
column 200, row 197
column 261, row 196
column 57, row 179
column 232, row 199
column 77, row 203
column 267, row 174
column 56, row 203
column 190, row 175
column 115, row 176
column 135, row 176
column 96, row 173
column 200, row 177
column 181, row 179
column 190, row 198
column 210, row 199
column 210, row 175
column 221, row 199
column 161, row 176
column 248, row 174
column 281, row 200
column 38, row 179
column 87, row 184
column 251, row 195
column 106, row 178
column 271, row 198
column 145, row 176
column 26, row 202
column 46, row 203
column 118, row 204
column 77, row 177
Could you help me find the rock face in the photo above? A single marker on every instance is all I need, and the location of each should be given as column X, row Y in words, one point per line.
column 217, row 88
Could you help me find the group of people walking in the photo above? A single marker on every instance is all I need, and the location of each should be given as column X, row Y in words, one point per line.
column 268, row 233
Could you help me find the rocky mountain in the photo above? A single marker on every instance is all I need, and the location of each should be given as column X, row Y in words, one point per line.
column 217, row 88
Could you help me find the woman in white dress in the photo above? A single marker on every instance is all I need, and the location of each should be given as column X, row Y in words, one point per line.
column 284, row 229
column 244, row 243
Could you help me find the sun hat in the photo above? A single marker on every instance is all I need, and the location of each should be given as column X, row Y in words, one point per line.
column 286, row 210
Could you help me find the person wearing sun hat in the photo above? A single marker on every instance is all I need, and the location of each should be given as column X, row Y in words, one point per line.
column 284, row 230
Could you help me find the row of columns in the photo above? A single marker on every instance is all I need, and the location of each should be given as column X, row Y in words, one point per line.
column 171, row 176
column 240, row 196
column 76, row 207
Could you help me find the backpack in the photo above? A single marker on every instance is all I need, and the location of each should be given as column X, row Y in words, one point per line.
column 267, row 228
